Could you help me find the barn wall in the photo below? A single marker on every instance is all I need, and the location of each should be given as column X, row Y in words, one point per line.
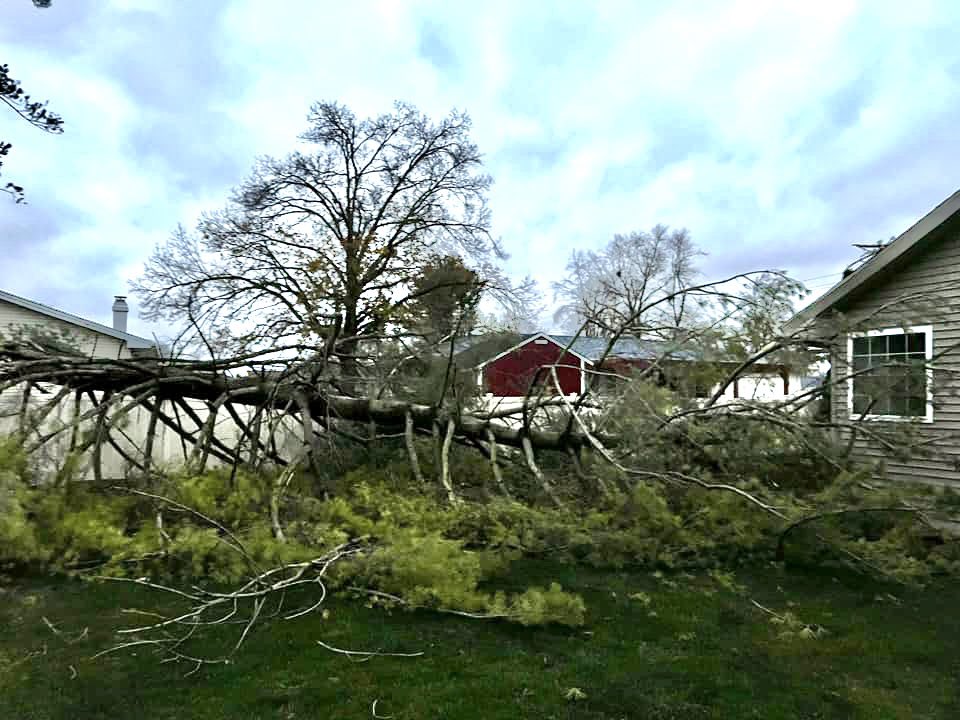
column 511, row 375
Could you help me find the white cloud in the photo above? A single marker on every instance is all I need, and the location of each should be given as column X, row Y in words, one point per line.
column 778, row 133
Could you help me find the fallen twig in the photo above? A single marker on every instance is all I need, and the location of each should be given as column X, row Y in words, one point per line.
column 366, row 653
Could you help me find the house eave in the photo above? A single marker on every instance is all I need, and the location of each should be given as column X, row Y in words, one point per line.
column 914, row 236
column 527, row 341
column 134, row 342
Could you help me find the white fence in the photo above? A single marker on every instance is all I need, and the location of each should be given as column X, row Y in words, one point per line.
column 170, row 450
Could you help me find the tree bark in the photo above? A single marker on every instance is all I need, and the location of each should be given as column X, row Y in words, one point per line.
column 149, row 441
column 412, row 449
column 537, row 472
column 309, row 445
column 497, row 475
column 100, row 434
column 276, row 497
column 63, row 475
column 445, row 462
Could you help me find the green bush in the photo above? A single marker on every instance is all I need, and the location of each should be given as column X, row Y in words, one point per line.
column 18, row 542
column 439, row 555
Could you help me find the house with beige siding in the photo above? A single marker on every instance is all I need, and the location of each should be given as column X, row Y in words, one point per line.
column 20, row 317
column 25, row 319
column 892, row 327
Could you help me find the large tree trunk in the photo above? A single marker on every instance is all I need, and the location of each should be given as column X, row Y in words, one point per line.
column 120, row 385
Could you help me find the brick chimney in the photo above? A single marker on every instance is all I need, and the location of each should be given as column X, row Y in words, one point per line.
column 120, row 310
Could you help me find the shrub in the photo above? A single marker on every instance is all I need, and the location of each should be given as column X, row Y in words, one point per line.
column 436, row 555
column 18, row 542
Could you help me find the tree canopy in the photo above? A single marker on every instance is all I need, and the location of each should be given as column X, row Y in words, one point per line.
column 326, row 249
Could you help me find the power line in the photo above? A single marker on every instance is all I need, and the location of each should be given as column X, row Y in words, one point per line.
column 821, row 277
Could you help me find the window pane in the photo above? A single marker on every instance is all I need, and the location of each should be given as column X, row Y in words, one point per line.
column 867, row 384
column 861, row 346
column 860, row 403
column 899, row 384
column 878, row 378
column 898, row 406
column 918, row 372
column 897, row 343
column 917, row 406
column 861, row 363
column 917, row 342
column 878, row 345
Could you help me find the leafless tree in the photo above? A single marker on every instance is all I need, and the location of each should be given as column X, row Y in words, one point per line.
column 609, row 289
column 321, row 250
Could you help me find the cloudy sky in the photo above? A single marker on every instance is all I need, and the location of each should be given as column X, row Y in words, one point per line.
column 777, row 133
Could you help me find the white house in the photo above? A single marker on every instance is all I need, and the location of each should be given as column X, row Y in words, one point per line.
column 21, row 317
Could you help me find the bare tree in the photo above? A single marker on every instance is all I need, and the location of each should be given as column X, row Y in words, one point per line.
column 606, row 289
column 523, row 315
column 322, row 250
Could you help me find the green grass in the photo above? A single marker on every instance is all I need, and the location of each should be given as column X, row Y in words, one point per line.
column 694, row 651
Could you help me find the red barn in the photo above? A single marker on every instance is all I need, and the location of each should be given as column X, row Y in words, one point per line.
column 580, row 360
column 511, row 373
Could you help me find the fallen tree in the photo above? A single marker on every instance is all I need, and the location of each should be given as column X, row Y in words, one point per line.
column 303, row 301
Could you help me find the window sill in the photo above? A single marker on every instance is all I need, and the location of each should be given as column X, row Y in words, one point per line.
column 916, row 419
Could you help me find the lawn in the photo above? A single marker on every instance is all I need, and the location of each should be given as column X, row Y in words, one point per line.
column 668, row 647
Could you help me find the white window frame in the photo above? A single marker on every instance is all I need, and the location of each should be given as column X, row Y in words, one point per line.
column 928, row 352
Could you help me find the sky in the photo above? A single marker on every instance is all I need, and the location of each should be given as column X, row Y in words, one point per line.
column 777, row 133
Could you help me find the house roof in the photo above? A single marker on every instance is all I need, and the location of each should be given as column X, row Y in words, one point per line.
column 134, row 342
column 918, row 234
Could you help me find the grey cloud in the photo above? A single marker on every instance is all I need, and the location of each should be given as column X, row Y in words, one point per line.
column 677, row 138
column 531, row 156
column 904, row 179
column 843, row 107
column 26, row 229
column 88, row 298
column 173, row 66
column 172, row 61
column 67, row 26
column 200, row 152
column 551, row 54
column 434, row 45
column 74, row 279
column 684, row 135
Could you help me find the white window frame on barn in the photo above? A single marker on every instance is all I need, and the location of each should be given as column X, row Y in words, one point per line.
column 927, row 332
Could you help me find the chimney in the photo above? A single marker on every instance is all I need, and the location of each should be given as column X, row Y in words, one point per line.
column 120, row 310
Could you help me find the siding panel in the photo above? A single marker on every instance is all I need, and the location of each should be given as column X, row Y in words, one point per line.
column 934, row 274
column 15, row 319
column 511, row 375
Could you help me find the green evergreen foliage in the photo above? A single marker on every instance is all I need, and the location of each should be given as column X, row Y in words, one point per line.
column 433, row 554
column 18, row 542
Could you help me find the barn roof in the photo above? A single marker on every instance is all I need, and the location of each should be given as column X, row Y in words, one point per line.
column 591, row 349
column 628, row 348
